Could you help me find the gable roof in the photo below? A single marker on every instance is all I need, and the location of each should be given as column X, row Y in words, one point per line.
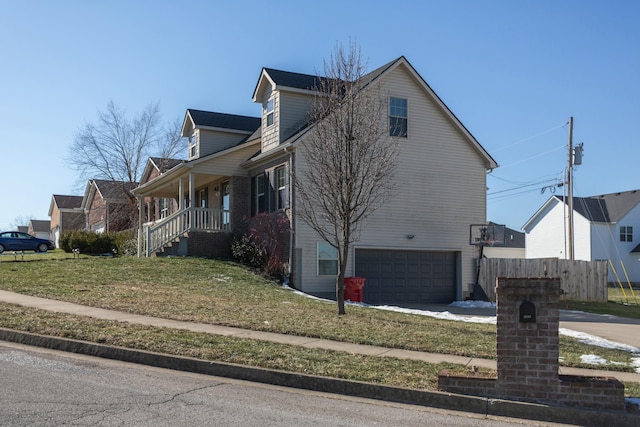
column 164, row 164
column 230, row 122
column 109, row 191
column 67, row 202
column 39, row 225
column 379, row 73
column 606, row 207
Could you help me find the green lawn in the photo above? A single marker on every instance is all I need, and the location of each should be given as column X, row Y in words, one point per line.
column 226, row 293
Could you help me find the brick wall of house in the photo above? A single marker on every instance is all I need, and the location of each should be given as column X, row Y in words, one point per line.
column 209, row 244
column 240, row 203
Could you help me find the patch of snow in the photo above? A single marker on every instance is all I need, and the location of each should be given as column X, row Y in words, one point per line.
column 473, row 304
column 445, row 315
column 597, row 341
column 581, row 336
column 593, row 359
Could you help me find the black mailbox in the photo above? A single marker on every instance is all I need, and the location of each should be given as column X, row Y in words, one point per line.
column 527, row 312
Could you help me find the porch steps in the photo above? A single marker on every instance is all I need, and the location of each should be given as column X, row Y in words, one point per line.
column 176, row 248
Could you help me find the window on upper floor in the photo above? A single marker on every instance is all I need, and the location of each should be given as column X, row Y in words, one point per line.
column 398, row 117
column 193, row 145
column 626, row 233
column 269, row 110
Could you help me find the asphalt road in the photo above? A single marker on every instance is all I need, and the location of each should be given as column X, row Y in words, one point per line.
column 43, row 387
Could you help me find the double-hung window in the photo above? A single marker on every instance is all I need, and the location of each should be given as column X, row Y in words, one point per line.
column 398, row 117
column 626, row 233
column 327, row 259
column 261, row 194
column 280, row 184
column 269, row 109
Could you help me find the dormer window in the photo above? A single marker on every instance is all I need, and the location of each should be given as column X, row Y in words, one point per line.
column 269, row 110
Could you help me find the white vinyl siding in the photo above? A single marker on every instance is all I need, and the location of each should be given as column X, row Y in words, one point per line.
column 441, row 189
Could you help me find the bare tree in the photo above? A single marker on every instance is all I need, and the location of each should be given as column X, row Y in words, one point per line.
column 21, row 221
column 350, row 158
column 116, row 147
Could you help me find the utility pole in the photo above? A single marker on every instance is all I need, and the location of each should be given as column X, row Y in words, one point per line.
column 570, row 183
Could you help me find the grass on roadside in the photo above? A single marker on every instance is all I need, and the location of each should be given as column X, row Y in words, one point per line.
column 225, row 293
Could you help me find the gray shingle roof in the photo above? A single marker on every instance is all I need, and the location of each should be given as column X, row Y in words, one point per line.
column 67, row 202
column 294, row 80
column 114, row 190
column 164, row 164
column 225, row 121
column 606, row 207
column 40, row 225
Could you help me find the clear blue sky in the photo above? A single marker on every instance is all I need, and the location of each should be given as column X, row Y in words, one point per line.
column 512, row 71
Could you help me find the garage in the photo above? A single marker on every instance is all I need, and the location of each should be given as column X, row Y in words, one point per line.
column 399, row 277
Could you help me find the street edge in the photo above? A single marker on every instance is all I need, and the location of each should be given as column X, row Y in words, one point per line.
column 436, row 399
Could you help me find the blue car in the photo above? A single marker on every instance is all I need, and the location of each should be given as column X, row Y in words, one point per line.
column 18, row 241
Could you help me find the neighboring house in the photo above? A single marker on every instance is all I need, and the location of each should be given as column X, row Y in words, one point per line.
column 107, row 206
column 66, row 215
column 606, row 227
column 39, row 228
column 23, row 228
column 513, row 247
column 157, row 208
column 413, row 250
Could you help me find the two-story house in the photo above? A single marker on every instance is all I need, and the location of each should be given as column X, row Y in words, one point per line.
column 66, row 214
column 606, row 227
column 413, row 250
column 107, row 206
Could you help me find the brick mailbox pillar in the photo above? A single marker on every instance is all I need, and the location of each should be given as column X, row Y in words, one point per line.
column 527, row 337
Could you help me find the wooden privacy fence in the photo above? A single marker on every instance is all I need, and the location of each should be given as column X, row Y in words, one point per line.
column 580, row 280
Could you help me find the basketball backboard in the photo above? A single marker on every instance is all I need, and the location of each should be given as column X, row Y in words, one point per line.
column 486, row 234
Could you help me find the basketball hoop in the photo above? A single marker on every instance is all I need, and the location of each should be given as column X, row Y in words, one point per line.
column 486, row 234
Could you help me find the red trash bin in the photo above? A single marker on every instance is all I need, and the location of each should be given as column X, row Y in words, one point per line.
column 353, row 288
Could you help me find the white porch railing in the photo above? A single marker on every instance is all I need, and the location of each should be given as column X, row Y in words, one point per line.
column 190, row 219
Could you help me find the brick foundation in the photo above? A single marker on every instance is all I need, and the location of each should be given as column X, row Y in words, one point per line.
column 527, row 348
column 209, row 244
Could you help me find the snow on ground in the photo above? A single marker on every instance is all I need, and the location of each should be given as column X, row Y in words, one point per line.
column 581, row 336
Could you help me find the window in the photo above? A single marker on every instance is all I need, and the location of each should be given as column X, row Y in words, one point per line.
column 327, row 259
column 398, row 117
column 193, row 145
column 225, row 203
column 626, row 234
column 269, row 108
column 261, row 194
column 163, row 207
column 280, row 184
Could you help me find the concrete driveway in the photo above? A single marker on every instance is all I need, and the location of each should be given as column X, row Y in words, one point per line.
column 613, row 328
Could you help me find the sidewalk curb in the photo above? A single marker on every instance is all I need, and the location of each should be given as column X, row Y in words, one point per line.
column 442, row 400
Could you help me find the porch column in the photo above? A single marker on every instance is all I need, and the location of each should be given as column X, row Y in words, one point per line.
column 192, row 198
column 140, row 222
column 180, row 194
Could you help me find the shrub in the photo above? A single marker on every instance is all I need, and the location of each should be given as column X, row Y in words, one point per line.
column 270, row 233
column 247, row 252
column 88, row 242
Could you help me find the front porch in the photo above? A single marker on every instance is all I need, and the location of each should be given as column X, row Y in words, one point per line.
column 201, row 205
column 185, row 223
